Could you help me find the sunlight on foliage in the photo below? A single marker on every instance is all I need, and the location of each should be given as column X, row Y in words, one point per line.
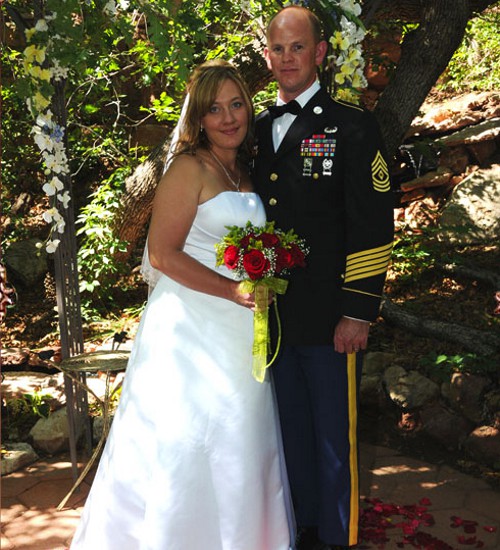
column 476, row 63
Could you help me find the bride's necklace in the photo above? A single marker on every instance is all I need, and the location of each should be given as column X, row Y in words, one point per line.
column 228, row 175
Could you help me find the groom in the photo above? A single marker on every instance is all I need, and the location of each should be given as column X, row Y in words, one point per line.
column 321, row 170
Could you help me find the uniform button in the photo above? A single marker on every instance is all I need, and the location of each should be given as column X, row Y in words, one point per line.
column 315, row 176
column 273, row 201
column 273, row 176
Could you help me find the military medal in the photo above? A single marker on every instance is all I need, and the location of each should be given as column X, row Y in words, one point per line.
column 327, row 167
column 308, row 164
column 329, row 130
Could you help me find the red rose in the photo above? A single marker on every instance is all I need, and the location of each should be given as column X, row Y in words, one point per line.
column 298, row 257
column 283, row 259
column 268, row 240
column 245, row 241
column 231, row 256
column 255, row 264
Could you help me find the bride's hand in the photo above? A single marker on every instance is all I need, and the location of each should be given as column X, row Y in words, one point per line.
column 244, row 299
column 247, row 299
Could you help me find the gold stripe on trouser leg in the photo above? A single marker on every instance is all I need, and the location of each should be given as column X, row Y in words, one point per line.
column 353, row 453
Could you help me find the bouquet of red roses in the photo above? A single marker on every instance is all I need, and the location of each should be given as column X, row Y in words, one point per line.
column 257, row 255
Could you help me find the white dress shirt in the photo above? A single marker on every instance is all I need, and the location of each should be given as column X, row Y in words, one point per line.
column 283, row 123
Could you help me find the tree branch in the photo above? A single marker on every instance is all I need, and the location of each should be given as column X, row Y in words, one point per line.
column 477, row 341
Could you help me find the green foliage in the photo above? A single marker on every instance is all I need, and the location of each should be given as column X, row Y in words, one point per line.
column 20, row 414
column 476, row 63
column 411, row 255
column 440, row 366
column 265, row 97
column 19, row 159
column 96, row 255
column 38, row 403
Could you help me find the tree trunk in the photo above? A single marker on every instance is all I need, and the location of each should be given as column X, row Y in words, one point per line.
column 137, row 200
column 477, row 341
column 425, row 53
column 409, row 11
column 488, row 277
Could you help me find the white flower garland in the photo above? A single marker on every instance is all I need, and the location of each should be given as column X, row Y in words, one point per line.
column 48, row 135
column 347, row 58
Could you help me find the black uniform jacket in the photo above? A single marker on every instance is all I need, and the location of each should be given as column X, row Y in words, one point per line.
column 329, row 181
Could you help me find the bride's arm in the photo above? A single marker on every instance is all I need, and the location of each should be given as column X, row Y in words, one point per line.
column 174, row 209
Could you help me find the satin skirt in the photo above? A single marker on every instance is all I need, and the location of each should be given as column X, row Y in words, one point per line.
column 193, row 460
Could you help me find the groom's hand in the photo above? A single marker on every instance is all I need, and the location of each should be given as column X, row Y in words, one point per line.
column 351, row 335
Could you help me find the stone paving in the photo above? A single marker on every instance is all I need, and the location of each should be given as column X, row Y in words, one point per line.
column 30, row 496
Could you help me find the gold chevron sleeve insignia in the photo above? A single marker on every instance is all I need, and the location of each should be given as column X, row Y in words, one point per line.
column 380, row 174
column 367, row 263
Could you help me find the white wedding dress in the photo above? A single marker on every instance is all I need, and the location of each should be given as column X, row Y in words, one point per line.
column 193, row 460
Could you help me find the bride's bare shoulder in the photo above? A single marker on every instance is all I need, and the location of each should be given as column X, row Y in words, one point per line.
column 186, row 161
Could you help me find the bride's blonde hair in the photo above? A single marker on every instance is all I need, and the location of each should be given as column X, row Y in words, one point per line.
column 203, row 87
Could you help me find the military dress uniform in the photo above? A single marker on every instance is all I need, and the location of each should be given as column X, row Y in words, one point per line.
column 329, row 181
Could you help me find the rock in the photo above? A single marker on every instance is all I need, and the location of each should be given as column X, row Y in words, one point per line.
column 466, row 395
column 413, row 195
column 14, row 357
column 98, row 426
column 472, row 214
column 27, row 262
column 487, row 130
column 444, row 426
column 484, row 445
column 421, row 213
column 17, row 456
column 375, row 362
column 15, row 384
column 371, row 391
column 456, row 113
column 51, row 435
column 409, row 390
column 483, row 151
column 455, row 159
column 438, row 177
column 492, row 402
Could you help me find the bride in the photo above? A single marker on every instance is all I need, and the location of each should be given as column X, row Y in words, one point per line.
column 193, row 458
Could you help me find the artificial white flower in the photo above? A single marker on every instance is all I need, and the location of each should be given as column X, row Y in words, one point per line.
column 51, row 214
column 53, row 186
column 43, row 141
column 64, row 198
column 110, row 7
column 51, row 246
column 55, row 163
column 60, row 225
column 350, row 5
column 45, row 119
column 57, row 72
column 41, row 25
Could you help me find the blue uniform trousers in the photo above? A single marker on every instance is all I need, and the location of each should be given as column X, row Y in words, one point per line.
column 317, row 392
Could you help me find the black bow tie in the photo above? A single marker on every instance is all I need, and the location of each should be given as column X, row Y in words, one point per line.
column 292, row 107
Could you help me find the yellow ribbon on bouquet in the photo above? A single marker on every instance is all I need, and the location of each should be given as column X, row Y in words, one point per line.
column 261, row 337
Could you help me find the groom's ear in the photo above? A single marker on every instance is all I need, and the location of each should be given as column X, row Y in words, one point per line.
column 267, row 58
column 321, row 49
